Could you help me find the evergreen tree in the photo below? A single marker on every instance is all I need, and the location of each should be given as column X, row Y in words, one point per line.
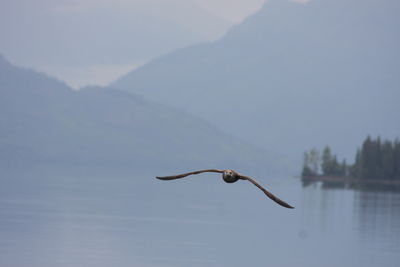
column 306, row 169
column 396, row 156
column 326, row 165
column 366, row 160
column 378, row 159
column 335, row 167
column 314, row 158
column 355, row 168
column 311, row 161
column 343, row 168
column 388, row 160
column 375, row 160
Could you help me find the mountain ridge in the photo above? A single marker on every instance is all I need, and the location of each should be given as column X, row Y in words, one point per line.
column 45, row 123
column 290, row 77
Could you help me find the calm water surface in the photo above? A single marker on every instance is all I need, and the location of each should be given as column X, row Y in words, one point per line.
column 120, row 220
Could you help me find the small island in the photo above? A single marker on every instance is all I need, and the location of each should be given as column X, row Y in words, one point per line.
column 376, row 163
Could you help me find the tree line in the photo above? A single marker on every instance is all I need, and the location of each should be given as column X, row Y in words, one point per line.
column 374, row 160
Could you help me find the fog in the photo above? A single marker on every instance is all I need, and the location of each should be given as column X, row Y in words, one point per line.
column 94, row 42
column 97, row 98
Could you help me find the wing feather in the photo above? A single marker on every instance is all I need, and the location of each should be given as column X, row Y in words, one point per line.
column 173, row 177
column 269, row 194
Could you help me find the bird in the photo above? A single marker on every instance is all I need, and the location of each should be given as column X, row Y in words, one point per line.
column 229, row 176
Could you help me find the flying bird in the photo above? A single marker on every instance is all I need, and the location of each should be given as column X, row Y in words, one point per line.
column 230, row 176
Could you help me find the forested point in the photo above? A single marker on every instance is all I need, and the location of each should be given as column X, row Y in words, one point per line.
column 375, row 160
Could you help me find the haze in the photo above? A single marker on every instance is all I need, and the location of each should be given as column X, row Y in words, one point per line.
column 186, row 85
column 94, row 42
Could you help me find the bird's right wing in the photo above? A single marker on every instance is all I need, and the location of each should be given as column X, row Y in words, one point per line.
column 269, row 194
column 173, row 177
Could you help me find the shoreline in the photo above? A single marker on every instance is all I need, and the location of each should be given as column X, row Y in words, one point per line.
column 347, row 179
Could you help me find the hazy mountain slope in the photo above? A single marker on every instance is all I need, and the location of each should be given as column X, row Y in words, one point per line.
column 93, row 43
column 43, row 122
column 290, row 77
column 92, row 33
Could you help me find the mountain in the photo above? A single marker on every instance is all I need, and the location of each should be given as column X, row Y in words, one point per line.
column 87, row 42
column 45, row 123
column 291, row 77
column 108, row 33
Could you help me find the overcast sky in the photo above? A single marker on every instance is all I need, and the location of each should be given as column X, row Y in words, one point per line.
column 229, row 10
column 95, row 41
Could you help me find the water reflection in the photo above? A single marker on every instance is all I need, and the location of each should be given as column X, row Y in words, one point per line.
column 374, row 217
column 378, row 217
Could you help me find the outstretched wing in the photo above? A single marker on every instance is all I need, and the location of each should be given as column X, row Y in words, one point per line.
column 173, row 177
column 269, row 194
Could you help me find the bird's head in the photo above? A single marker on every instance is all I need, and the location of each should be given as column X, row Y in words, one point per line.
column 230, row 176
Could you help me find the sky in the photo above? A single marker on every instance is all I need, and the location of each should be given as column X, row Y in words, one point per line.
column 230, row 10
column 93, row 42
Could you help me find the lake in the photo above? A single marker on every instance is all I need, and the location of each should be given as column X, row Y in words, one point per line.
column 136, row 220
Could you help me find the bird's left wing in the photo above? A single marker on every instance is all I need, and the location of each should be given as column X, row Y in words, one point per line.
column 269, row 194
column 173, row 177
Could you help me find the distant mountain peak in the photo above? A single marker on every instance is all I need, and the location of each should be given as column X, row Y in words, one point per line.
column 334, row 63
column 43, row 122
column 20, row 77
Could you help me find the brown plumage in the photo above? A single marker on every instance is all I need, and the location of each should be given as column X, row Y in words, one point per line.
column 230, row 176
